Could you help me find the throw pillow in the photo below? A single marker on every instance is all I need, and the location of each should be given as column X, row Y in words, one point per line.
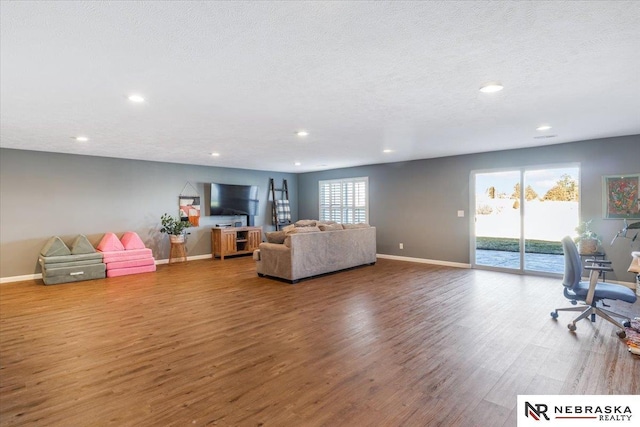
column 359, row 225
column 299, row 230
column 276, row 237
column 330, row 227
column 81, row 245
column 306, row 223
column 55, row 247
column 130, row 240
column 288, row 228
column 110, row 243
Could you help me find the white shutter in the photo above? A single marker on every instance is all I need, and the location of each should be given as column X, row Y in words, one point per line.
column 344, row 200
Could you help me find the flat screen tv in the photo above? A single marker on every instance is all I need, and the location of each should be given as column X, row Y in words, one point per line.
column 228, row 199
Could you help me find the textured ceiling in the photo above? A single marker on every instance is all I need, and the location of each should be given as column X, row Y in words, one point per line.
column 240, row 78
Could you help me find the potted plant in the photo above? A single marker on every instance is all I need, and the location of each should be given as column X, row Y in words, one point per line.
column 587, row 240
column 174, row 227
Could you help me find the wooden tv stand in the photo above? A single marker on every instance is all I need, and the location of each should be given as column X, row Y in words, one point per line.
column 229, row 241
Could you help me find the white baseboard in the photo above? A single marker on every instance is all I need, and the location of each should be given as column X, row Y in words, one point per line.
column 20, row 278
column 425, row 261
column 630, row 285
column 39, row 275
column 189, row 258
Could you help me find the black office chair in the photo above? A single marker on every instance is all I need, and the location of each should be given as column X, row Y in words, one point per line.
column 590, row 292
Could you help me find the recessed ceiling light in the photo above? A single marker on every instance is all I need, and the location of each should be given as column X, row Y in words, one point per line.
column 491, row 88
column 297, row 163
column 544, row 136
column 387, row 151
column 81, row 138
column 136, row 98
column 543, row 128
column 302, row 133
column 215, row 154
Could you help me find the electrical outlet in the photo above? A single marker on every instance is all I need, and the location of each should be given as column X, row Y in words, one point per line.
column 401, row 245
column 460, row 214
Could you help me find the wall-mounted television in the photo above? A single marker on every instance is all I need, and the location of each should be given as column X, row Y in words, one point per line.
column 229, row 199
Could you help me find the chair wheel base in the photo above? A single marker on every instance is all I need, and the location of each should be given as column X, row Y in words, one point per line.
column 621, row 334
column 572, row 327
column 554, row 315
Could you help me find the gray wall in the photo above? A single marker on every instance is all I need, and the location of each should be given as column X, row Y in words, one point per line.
column 416, row 202
column 47, row 194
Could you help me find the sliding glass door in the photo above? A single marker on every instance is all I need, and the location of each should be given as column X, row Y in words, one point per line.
column 498, row 220
column 521, row 215
column 551, row 211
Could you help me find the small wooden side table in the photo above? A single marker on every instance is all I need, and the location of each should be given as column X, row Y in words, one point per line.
column 178, row 252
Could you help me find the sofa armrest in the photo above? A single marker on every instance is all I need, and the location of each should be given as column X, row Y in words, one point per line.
column 275, row 247
column 275, row 260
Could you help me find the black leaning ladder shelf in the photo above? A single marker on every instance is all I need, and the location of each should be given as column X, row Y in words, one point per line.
column 278, row 220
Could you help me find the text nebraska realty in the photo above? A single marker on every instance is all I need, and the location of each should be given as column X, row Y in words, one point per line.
column 601, row 413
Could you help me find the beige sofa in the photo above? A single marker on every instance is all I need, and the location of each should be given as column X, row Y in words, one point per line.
column 311, row 252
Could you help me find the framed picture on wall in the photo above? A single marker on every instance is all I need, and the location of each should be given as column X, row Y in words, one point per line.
column 620, row 196
column 189, row 201
column 190, row 209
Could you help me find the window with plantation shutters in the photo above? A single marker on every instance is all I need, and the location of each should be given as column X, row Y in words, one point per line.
column 344, row 200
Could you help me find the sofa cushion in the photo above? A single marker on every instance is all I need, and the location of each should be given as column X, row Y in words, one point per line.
column 131, row 254
column 306, row 223
column 53, row 276
column 95, row 257
column 130, row 240
column 131, row 270
column 70, row 260
column 288, row 227
column 276, row 236
column 359, row 225
column 81, row 245
column 298, row 230
column 110, row 243
column 330, row 227
column 55, row 247
column 325, row 222
column 128, row 263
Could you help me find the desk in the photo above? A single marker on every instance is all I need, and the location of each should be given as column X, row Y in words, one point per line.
column 596, row 256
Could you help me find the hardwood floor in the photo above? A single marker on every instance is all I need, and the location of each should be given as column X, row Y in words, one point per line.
column 209, row 343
